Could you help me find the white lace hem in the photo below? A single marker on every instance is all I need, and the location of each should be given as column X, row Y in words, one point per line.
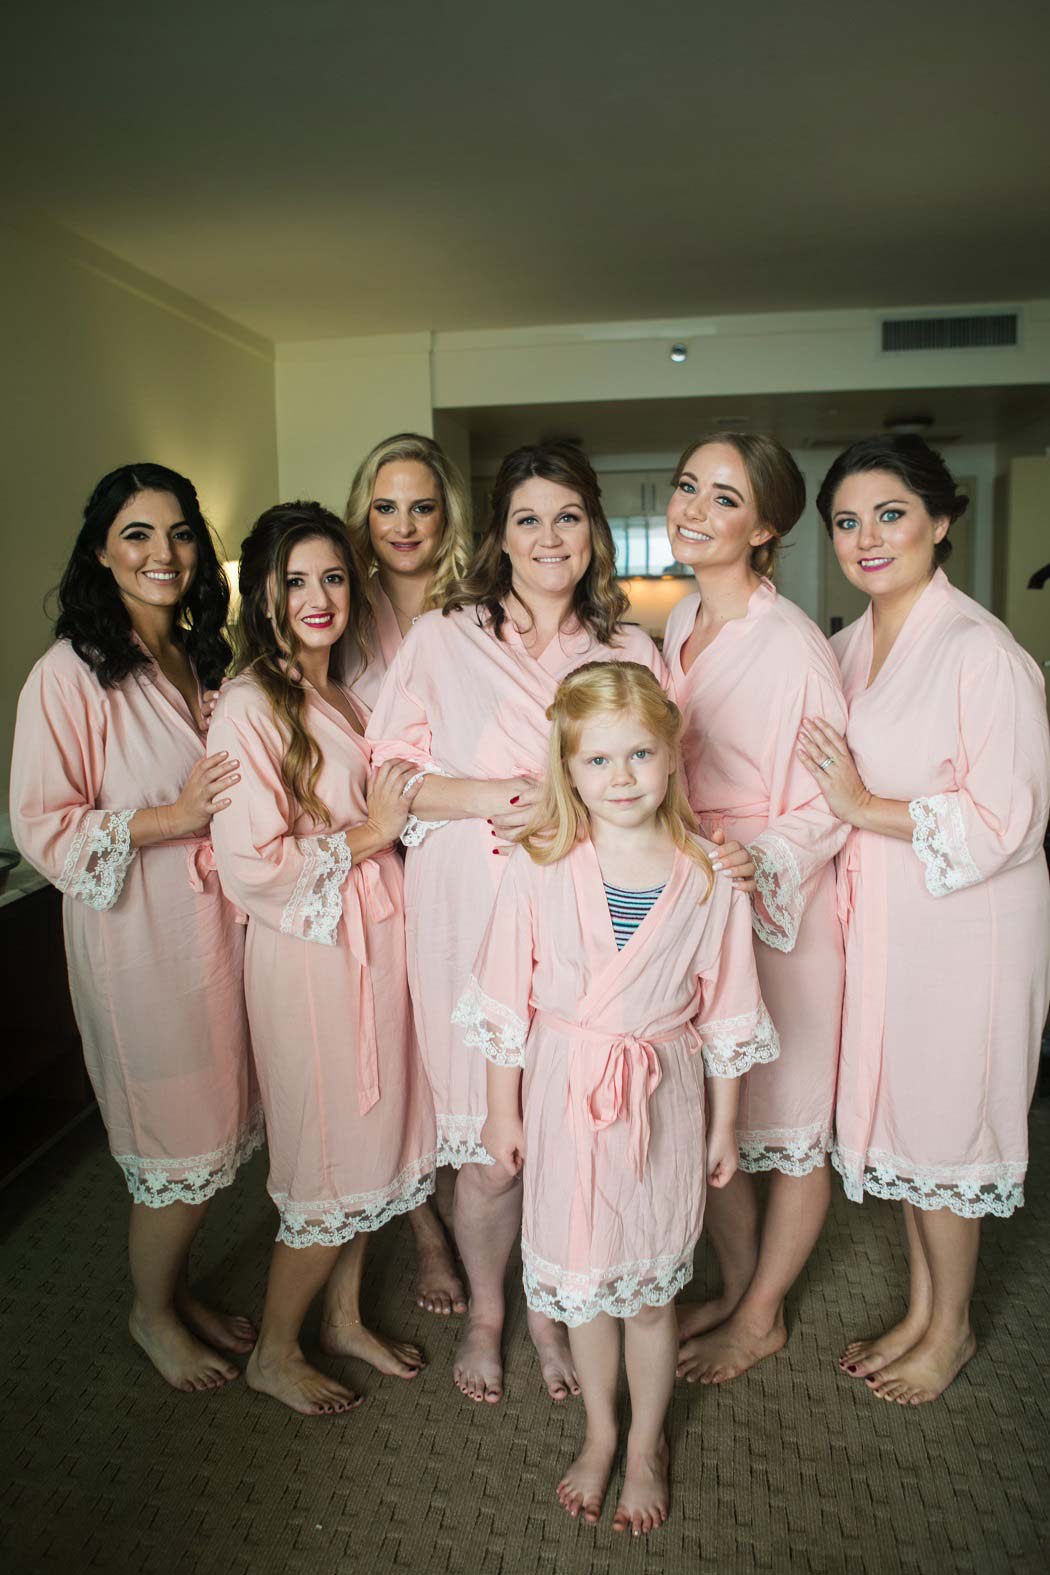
column 794, row 1151
column 416, row 830
column 313, row 911
column 459, row 1141
column 490, row 1027
column 777, row 904
column 99, row 858
column 971, row 1191
column 733, row 1045
column 939, row 839
column 620, row 1291
column 334, row 1221
column 158, row 1182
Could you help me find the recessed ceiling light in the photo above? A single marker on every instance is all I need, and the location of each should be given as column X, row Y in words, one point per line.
column 678, row 353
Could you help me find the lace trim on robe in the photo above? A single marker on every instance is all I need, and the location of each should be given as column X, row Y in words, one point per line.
column 99, row 858
column 733, row 1045
column 334, row 1221
column 416, row 830
column 459, row 1141
column 490, row 1027
column 971, row 1191
column 794, row 1151
column 158, row 1182
column 620, row 1291
column 939, row 839
column 776, row 907
column 313, row 911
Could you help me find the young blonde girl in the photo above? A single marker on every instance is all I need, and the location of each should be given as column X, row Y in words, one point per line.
column 612, row 956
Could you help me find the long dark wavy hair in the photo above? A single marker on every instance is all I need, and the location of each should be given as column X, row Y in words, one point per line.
column 267, row 645
column 91, row 612
column 597, row 600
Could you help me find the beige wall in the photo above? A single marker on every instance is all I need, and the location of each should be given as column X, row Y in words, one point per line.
column 102, row 366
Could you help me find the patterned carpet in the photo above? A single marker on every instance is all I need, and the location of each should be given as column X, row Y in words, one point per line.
column 792, row 1468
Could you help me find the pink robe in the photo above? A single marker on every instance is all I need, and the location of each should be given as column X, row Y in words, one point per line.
column 613, row 1089
column 349, row 1120
column 743, row 700
column 155, row 952
column 464, row 704
column 384, row 644
column 947, row 936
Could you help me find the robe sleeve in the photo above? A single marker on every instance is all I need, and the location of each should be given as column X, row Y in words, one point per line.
column 291, row 884
column 736, row 1031
column 802, row 834
column 399, row 729
column 56, row 776
column 494, row 1010
column 996, row 816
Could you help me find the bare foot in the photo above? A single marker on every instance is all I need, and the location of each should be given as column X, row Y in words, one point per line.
column 862, row 1357
column 181, row 1359
column 393, row 1358
column 552, row 1347
column 438, row 1287
column 583, row 1486
column 288, row 1377
column 727, row 1352
column 478, row 1367
column 699, row 1317
column 224, row 1331
column 645, row 1499
column 925, row 1371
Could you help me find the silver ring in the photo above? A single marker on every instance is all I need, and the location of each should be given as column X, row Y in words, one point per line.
column 822, row 765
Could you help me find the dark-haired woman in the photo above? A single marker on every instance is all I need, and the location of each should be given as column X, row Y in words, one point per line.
column 466, row 698
column 746, row 667
column 307, row 850
column 944, row 775
column 112, row 798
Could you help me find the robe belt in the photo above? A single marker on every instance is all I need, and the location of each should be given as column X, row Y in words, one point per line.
column 712, row 820
column 200, row 863
column 860, row 902
column 365, row 898
column 612, row 1077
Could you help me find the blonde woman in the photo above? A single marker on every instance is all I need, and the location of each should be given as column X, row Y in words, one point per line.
column 612, row 957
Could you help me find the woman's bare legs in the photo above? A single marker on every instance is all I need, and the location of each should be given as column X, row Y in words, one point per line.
column 596, row 1358
column 731, row 1227
column 861, row 1358
column 342, row 1331
column 438, row 1287
column 159, row 1242
column 796, row 1208
column 277, row 1366
column 950, row 1245
column 650, row 1348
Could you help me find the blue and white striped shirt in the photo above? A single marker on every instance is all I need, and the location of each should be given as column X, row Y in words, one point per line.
column 627, row 909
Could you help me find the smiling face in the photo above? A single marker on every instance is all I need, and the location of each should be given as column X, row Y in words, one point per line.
column 150, row 551
column 406, row 517
column 712, row 518
column 317, row 588
column 620, row 769
column 547, row 538
column 883, row 535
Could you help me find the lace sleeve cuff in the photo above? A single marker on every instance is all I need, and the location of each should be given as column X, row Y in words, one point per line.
column 490, row 1027
column 314, row 910
column 733, row 1045
column 415, row 830
column 776, row 907
column 99, row 858
column 939, row 839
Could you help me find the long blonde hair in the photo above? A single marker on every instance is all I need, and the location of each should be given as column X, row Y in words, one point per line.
column 607, row 689
column 457, row 541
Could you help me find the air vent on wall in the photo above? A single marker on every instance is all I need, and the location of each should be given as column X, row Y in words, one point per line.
column 983, row 331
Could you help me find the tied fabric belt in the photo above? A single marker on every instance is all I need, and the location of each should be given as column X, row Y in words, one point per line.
column 366, row 900
column 712, row 820
column 612, row 1077
column 860, row 891
column 200, row 863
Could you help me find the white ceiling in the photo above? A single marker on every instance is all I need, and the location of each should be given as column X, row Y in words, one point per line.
column 319, row 167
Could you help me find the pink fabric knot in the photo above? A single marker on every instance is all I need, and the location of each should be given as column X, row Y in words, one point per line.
column 366, row 895
column 629, row 1078
column 200, row 863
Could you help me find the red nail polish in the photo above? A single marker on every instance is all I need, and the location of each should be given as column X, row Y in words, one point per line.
column 494, row 852
column 514, row 800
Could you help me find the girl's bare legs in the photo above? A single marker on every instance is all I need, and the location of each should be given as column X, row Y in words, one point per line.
column 159, row 1243
column 731, row 1226
column 950, row 1244
column 596, row 1358
column 438, row 1287
column 277, row 1366
column 864, row 1357
column 487, row 1222
column 650, row 1348
column 342, row 1331
column 796, row 1209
